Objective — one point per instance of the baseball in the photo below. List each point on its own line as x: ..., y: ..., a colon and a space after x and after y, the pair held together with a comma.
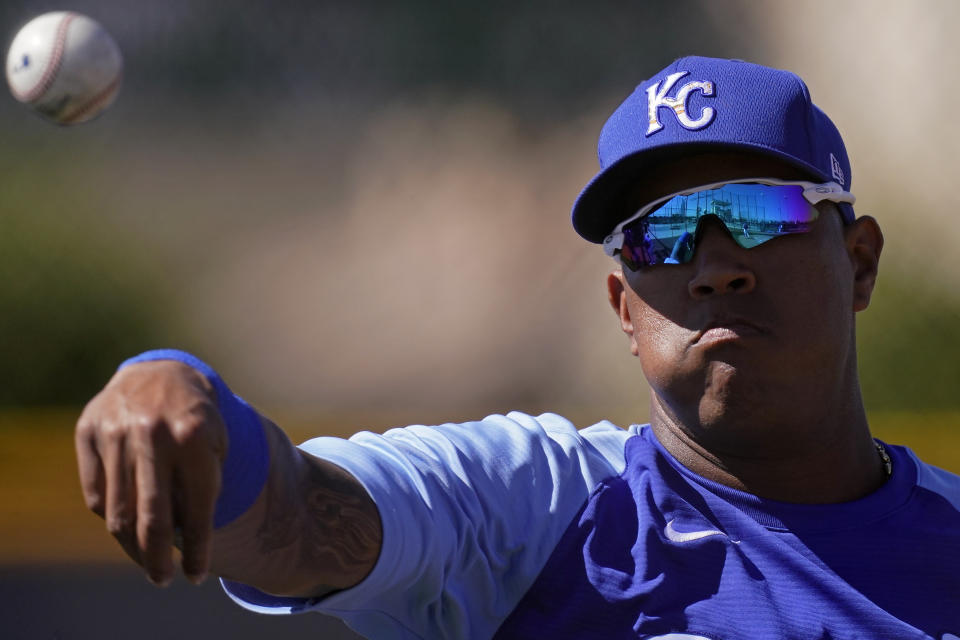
x: 65, y: 66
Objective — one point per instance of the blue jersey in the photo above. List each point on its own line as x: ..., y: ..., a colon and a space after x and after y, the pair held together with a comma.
x: 524, y: 527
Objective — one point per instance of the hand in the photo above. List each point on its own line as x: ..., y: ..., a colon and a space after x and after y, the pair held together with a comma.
x: 150, y: 447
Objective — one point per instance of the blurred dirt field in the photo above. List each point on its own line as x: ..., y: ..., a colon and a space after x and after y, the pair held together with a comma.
x: 107, y: 602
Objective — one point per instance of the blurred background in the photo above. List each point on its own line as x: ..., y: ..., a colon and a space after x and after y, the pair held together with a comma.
x: 359, y: 214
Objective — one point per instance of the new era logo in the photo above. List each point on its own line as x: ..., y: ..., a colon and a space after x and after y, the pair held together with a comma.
x: 836, y: 170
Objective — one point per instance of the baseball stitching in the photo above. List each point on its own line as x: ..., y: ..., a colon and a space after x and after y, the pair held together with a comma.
x: 93, y: 103
x: 56, y: 59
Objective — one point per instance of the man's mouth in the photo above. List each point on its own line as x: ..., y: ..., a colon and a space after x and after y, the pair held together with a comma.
x: 726, y: 330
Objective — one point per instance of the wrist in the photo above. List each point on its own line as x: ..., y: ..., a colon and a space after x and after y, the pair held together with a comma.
x: 244, y: 471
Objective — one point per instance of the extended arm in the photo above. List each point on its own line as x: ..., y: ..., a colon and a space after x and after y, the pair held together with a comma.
x: 150, y: 450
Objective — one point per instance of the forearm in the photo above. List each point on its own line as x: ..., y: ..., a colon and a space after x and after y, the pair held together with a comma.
x: 167, y: 453
x: 312, y: 530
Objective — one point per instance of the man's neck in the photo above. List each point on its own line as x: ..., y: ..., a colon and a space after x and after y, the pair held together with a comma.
x: 822, y: 463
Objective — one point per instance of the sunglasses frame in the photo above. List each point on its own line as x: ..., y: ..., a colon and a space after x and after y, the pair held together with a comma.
x: 813, y: 193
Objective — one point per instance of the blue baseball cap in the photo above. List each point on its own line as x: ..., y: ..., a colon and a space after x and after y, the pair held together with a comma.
x: 701, y: 103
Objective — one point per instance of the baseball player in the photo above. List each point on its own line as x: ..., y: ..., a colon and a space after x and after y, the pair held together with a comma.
x: 755, y: 504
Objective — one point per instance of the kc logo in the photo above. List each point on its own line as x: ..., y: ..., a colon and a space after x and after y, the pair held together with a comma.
x: 657, y: 97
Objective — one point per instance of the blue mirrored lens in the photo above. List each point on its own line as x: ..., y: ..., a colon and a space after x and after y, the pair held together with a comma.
x: 752, y: 213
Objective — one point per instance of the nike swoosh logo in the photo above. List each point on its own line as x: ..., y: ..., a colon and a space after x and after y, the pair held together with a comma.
x: 689, y: 536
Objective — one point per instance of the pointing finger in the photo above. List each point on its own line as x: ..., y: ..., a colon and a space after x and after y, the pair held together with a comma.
x: 154, y: 527
x: 120, y: 514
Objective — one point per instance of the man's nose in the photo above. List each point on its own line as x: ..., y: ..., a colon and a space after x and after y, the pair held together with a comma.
x: 719, y: 263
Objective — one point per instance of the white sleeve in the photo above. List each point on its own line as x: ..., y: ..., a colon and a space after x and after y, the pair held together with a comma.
x: 470, y: 512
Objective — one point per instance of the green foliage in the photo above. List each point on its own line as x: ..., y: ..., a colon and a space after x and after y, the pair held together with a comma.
x: 75, y: 296
x: 909, y: 341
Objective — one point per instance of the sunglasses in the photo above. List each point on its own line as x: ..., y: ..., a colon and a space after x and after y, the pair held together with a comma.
x: 753, y: 211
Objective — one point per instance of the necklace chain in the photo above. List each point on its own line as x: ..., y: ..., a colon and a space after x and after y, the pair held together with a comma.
x: 884, y: 458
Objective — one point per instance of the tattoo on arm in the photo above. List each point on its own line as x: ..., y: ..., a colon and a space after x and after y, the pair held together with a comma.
x: 345, y: 529
x: 323, y: 511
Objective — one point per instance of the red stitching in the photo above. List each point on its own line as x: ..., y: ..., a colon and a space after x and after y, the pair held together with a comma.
x: 56, y: 59
x: 93, y: 103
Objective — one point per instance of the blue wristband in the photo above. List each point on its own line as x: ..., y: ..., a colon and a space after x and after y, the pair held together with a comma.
x: 245, y: 470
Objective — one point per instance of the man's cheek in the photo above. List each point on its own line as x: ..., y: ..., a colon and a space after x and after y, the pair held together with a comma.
x: 662, y: 357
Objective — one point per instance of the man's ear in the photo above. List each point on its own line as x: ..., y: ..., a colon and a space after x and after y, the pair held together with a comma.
x: 617, y: 295
x: 864, y: 243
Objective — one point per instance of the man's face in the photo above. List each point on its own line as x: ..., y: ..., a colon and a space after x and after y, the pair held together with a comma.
x: 738, y: 338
